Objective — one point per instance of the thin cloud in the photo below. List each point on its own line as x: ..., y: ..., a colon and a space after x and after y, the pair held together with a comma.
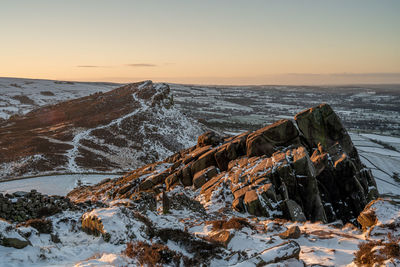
x: 347, y: 74
x: 88, y: 66
x: 369, y: 74
x: 141, y: 65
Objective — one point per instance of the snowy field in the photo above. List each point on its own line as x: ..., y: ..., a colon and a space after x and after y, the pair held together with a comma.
x: 19, y: 96
x: 383, y: 162
x: 234, y: 108
x: 321, y: 244
x: 54, y: 184
x: 373, y: 109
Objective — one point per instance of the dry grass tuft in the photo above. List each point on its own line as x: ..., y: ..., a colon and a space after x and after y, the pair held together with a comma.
x: 368, y: 255
x: 154, y: 255
x: 233, y: 223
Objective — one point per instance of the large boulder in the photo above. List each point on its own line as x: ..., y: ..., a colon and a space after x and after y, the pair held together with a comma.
x: 308, y: 186
x: 380, y: 217
x: 253, y: 204
x: 345, y: 188
x: 230, y: 151
x: 11, y: 237
x: 279, y: 253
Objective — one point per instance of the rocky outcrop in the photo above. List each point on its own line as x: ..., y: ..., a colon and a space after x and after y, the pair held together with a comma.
x: 304, y: 171
x: 321, y: 125
x: 201, y: 177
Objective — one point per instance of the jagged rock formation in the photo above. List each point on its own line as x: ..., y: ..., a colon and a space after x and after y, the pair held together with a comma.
x: 307, y: 170
x: 118, y: 130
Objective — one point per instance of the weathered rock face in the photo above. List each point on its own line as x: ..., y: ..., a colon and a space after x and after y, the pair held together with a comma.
x: 321, y: 125
x: 267, y: 140
x: 309, y: 172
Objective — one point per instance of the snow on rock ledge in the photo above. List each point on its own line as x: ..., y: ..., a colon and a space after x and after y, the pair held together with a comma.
x: 116, y: 225
x: 10, y: 237
x: 379, y: 218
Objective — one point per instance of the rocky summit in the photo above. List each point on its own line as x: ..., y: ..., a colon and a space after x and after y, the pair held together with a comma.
x: 301, y: 169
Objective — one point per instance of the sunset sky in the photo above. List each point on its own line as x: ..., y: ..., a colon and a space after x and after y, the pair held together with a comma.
x: 205, y: 42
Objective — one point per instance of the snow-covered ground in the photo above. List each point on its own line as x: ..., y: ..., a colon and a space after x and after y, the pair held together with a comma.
x: 42, y: 92
x: 374, y: 109
x: 151, y: 129
x: 53, y: 184
x: 383, y: 162
x: 321, y: 244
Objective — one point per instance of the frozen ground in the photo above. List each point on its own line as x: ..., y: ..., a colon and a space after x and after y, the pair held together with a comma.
x: 324, y: 245
x: 53, y: 184
x: 384, y: 162
x: 372, y: 109
x: 19, y: 96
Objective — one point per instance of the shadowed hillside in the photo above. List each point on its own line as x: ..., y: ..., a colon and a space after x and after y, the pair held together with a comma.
x: 123, y: 128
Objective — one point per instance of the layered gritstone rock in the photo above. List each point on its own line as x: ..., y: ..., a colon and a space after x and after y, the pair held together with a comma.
x: 305, y: 169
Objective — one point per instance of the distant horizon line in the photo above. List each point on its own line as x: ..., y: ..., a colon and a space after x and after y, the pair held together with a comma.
x: 160, y: 80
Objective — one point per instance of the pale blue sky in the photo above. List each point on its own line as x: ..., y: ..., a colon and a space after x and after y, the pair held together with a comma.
x: 201, y: 41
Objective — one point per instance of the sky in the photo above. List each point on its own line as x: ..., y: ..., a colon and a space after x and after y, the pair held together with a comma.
x: 202, y: 42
